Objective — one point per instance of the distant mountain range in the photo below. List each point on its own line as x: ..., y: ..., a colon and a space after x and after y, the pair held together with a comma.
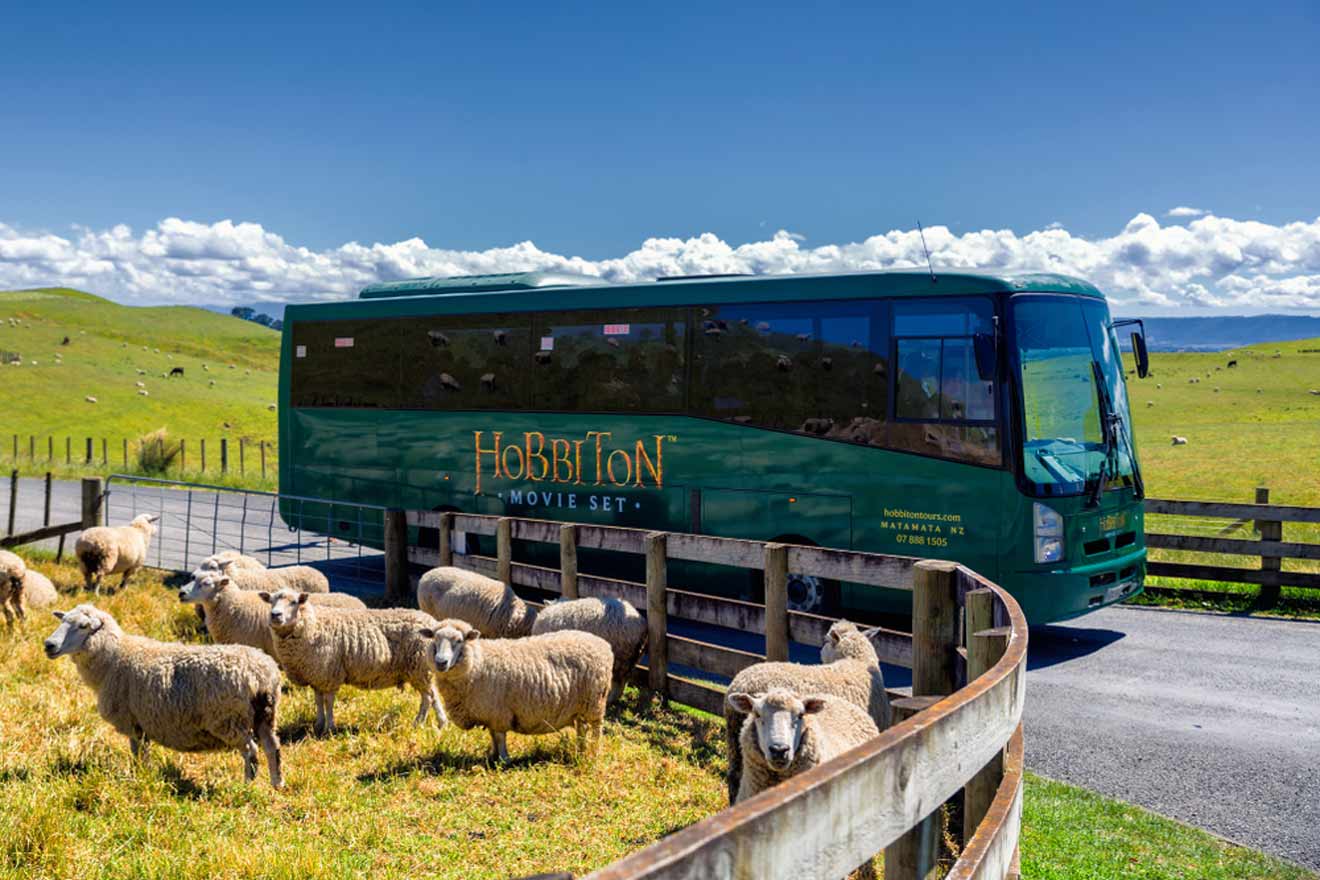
x: 1228, y: 331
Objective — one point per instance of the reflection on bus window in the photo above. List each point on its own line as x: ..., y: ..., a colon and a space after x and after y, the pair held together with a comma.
x: 345, y: 364
x: 457, y: 363
x: 618, y: 361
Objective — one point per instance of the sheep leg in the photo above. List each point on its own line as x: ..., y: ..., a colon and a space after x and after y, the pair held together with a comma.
x: 137, y: 745
x: 270, y: 744
x: 123, y: 582
x: 9, y: 615
x: 318, y: 727
x: 330, y: 712
x: 440, y: 718
x: 499, y: 747
x: 250, y: 760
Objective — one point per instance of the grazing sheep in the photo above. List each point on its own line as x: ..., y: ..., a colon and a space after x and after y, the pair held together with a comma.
x: 1179, y: 441
x: 487, y: 381
x: 614, y: 620
x: 485, y: 603
x: 1158, y: 386
x: 536, y: 685
x: 105, y: 550
x: 190, y: 698
x: 90, y: 399
x: 144, y: 392
x: 849, y: 669
x: 142, y: 372
x: 784, y: 363
x: 1232, y: 364
x: 141, y: 384
x: 270, y: 406
x: 22, y: 588
x: 542, y: 357
x: 299, y: 578
x: 238, y: 617
x: 1150, y: 403
x: 785, y: 735
x: 1316, y: 391
x: 501, y: 337
x: 177, y: 371
x: 240, y: 562
x: 1216, y: 390
x: 329, y: 648
x: 438, y: 339
x: 449, y: 383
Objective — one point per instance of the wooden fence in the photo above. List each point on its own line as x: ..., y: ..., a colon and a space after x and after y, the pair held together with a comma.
x: 960, y: 730
x: 100, y: 452
x: 92, y: 496
x: 1267, y: 519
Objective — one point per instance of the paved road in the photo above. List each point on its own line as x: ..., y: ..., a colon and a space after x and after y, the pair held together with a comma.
x: 1212, y: 720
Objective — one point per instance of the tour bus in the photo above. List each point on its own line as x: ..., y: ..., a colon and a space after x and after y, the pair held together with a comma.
x: 960, y: 416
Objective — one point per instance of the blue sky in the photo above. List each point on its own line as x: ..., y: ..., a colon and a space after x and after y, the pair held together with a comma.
x: 589, y: 129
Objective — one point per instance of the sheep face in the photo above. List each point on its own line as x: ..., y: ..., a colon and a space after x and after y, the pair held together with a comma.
x: 146, y: 522
x: 204, y: 587
x: 76, y: 627
x: 285, y: 608
x: 448, y: 644
x: 780, y: 722
x: 829, y: 651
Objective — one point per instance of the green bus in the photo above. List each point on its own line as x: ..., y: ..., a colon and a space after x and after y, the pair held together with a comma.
x: 971, y: 417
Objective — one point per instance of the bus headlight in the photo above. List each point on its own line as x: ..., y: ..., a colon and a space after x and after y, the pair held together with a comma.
x: 1048, y: 528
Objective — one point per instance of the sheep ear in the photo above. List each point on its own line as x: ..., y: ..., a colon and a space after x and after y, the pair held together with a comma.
x: 471, y: 635
x: 834, y: 634
x: 265, y: 597
x: 302, y: 598
x: 871, y: 633
x: 59, y: 615
x: 222, y: 581
x: 225, y: 563
x: 153, y: 518
x: 426, y: 632
x: 812, y: 705
x: 740, y: 702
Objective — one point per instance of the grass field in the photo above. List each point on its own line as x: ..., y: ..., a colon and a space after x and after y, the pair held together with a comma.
x: 384, y: 799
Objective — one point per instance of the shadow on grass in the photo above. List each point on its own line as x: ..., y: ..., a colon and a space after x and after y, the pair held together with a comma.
x: 443, y: 760
x: 181, y: 786
x: 690, y: 738
x: 304, y: 729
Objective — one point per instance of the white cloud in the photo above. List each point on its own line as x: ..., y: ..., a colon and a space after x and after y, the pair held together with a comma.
x: 1209, y: 262
x: 1184, y: 211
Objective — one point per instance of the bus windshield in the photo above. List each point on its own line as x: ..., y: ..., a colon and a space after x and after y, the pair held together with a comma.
x: 1076, y: 426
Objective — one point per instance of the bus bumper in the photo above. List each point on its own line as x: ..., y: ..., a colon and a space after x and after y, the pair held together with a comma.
x: 1062, y: 594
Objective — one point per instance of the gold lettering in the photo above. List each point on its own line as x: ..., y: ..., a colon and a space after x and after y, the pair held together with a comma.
x: 658, y: 468
x: 494, y: 452
x: 522, y: 462
x: 577, y: 455
x: 609, y: 466
x: 555, y: 448
x: 600, y: 439
x: 538, y: 454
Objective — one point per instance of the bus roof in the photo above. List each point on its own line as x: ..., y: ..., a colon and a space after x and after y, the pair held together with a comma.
x: 534, y: 291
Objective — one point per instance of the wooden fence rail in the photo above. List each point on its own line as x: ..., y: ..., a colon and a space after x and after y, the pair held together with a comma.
x: 93, y: 496
x: 960, y: 733
x: 1268, y: 520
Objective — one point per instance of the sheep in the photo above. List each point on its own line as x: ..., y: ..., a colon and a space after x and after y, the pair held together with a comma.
x: 270, y: 407
x: 542, y: 357
x: 784, y: 363
x: 438, y: 339
x: 144, y: 392
x: 449, y: 383
x: 785, y: 734
x: 535, y: 685
x: 373, y: 649
x: 501, y: 337
x: 614, y: 620
x: 299, y: 578
x: 485, y: 603
x: 487, y: 381
x: 32, y: 590
x: 1179, y: 441
x: 850, y: 669
x: 1316, y: 391
x: 142, y: 372
x: 90, y: 399
x: 239, y: 617
x: 1158, y: 386
x: 190, y: 698
x: 1232, y: 364
x: 240, y: 562
x: 1150, y: 403
x: 13, y: 571
x: 177, y: 371
x: 104, y: 550
x: 140, y: 384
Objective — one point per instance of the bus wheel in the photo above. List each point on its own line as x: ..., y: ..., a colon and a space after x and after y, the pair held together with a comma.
x: 812, y: 594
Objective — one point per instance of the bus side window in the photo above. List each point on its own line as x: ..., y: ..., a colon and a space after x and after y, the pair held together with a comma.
x: 941, y: 406
x: 453, y: 362
x: 345, y: 365
x: 622, y: 360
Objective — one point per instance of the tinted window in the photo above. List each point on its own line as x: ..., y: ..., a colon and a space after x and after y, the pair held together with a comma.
x: 459, y: 362
x: 627, y: 360
x: 345, y: 364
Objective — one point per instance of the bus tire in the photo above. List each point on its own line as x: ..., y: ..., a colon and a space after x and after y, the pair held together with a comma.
x: 806, y: 593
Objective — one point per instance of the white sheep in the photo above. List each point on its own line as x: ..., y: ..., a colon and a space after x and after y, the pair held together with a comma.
x: 785, y: 735
x: 144, y: 392
x: 534, y: 685
x: 90, y: 399
x: 849, y: 669
x: 105, y: 550
x: 614, y: 620
x: 12, y: 566
x: 299, y: 578
x: 238, y: 617
x: 485, y: 603
x: 326, y: 649
x: 33, y: 590
x: 190, y: 698
x: 1179, y: 441
x: 240, y: 561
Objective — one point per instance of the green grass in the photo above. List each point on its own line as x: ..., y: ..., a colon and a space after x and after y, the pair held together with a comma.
x: 384, y: 799
x: 108, y: 343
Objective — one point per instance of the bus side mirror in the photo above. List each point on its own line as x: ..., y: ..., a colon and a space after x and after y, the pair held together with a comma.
x: 1140, y: 353
x: 986, y: 356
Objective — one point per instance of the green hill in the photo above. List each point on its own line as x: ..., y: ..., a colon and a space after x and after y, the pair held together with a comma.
x: 108, y: 345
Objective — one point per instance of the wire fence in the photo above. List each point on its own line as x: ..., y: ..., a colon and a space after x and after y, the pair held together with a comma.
x: 341, y: 539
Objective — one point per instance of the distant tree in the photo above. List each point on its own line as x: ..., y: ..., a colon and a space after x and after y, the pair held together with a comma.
x: 277, y: 325
x: 262, y: 319
x: 242, y: 312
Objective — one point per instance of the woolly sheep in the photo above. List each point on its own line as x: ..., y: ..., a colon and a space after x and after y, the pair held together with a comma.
x: 1179, y: 441
x: 485, y: 603
x: 849, y: 669
x: 329, y: 648
x: 614, y: 620
x: 105, y: 550
x: 238, y: 617
x: 90, y: 399
x: 33, y: 590
x: 785, y: 734
x: 240, y: 562
x: 12, y: 566
x: 299, y: 578
x: 144, y: 392
x: 534, y: 685
x: 190, y: 698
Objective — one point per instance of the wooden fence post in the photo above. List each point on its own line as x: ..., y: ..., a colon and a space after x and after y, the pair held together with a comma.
x: 183, y: 455
x: 397, y: 592
x: 45, y: 514
x: 32, y: 447
x: 68, y: 450
x: 203, y: 442
x: 446, y: 539
x: 92, y: 501
x: 657, y: 613
x: 50, y: 448
x: 105, y: 452
x: 568, y: 570
x: 1271, y: 532
x: 224, y: 455
x: 15, y: 447
x: 125, y: 453
x: 91, y: 455
x: 241, y: 445
x: 13, y: 498
x: 915, y: 855
x: 263, y: 459
x: 776, y: 602
x: 985, y: 646
x: 504, y: 550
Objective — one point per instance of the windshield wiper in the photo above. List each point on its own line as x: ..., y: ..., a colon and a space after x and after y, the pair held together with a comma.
x: 1106, y: 428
